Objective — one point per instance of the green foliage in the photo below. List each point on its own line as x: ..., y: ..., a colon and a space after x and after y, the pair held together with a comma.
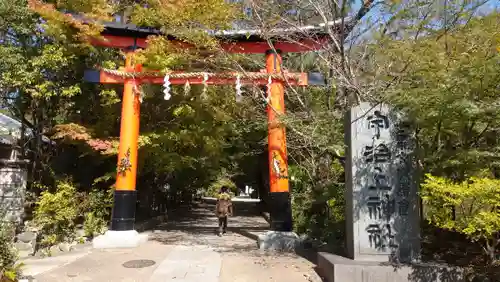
x: 214, y: 188
x: 224, y: 196
x: 477, y: 202
x: 8, y: 255
x: 56, y: 213
x: 448, y: 85
x: 185, y: 145
x: 97, y: 211
x: 446, y: 81
x: 318, y: 210
x: 94, y: 225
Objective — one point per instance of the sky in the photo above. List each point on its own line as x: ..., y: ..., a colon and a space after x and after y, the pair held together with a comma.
x: 376, y: 14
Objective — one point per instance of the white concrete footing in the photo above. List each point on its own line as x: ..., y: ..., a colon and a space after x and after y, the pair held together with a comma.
x: 119, y: 239
x: 278, y: 241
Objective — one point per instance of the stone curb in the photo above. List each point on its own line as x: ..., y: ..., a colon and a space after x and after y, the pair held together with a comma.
x: 38, y: 265
x: 139, y: 227
x: 266, y: 216
x: 304, y: 243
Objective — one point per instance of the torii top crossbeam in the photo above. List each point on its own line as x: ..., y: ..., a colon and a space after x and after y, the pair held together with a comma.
x: 306, y: 38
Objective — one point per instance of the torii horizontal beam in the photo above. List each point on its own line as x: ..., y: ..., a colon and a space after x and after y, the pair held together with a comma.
x: 180, y: 78
x: 303, y: 45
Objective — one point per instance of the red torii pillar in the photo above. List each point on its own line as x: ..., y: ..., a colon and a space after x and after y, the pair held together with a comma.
x: 125, y: 196
x: 122, y: 233
x: 279, y: 191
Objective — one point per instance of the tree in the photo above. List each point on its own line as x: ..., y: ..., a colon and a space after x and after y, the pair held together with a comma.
x: 450, y: 92
x: 40, y: 78
x: 184, y: 142
x: 449, y: 89
x: 185, y: 136
x: 420, y: 56
x: 477, y: 203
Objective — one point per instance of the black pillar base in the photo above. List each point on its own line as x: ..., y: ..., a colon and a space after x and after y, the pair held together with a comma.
x: 280, y: 209
x: 123, y: 217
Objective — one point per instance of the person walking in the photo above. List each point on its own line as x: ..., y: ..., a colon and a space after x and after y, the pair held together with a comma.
x: 223, y: 209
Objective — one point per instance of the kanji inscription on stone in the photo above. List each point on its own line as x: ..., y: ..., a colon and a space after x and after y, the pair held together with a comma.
x: 377, y: 122
x: 378, y: 154
x: 381, y: 194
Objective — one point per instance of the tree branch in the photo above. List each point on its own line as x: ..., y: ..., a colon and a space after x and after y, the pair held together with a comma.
x: 365, y: 8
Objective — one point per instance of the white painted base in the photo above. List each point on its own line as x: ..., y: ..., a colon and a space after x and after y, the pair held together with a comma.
x: 119, y: 239
x: 278, y: 241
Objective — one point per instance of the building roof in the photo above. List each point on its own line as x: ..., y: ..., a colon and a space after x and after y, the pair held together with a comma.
x: 10, y: 130
x: 246, y: 35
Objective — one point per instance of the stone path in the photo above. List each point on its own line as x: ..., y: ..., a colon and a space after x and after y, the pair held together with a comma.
x: 187, y: 249
x: 194, y: 263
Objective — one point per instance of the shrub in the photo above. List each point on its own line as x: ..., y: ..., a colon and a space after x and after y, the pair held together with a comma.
x: 477, y: 205
x: 97, y: 211
x: 8, y: 255
x: 55, y: 213
x: 94, y: 225
x: 213, y: 189
x: 318, y: 208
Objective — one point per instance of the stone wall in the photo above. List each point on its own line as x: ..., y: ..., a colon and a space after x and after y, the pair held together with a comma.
x: 13, y: 181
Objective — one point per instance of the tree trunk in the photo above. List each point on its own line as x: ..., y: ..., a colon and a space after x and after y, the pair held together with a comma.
x: 491, y: 249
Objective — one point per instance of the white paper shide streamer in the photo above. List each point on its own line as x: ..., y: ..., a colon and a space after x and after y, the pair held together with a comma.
x: 239, y: 92
x: 139, y: 93
x: 166, y: 84
x: 269, y: 82
x: 205, y: 86
x: 187, y: 88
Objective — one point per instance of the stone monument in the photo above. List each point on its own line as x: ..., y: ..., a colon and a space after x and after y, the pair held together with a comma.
x: 382, y: 205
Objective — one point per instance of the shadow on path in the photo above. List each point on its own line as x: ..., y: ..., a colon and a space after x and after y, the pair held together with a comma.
x: 198, y: 226
x: 186, y: 248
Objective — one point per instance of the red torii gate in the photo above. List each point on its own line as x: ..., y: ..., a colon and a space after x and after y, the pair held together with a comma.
x: 130, y: 37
